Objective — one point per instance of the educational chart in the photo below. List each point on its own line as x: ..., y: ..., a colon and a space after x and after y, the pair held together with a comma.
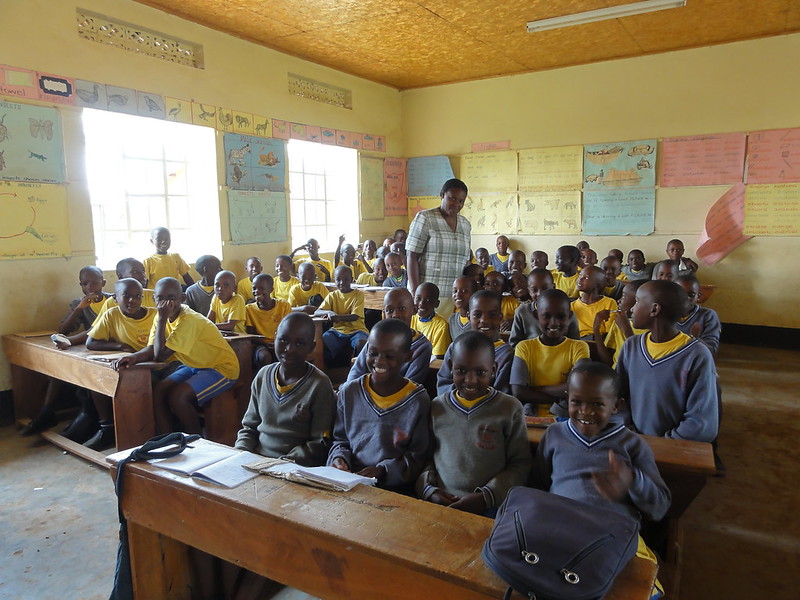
x: 370, y: 184
x: 772, y: 209
x: 549, y: 213
x: 254, y: 163
x: 257, y: 217
x: 723, y: 227
x: 31, y: 146
x: 394, y: 185
x: 551, y: 169
x: 773, y: 156
x: 619, y: 212
x: 35, y: 221
x: 427, y: 174
x: 702, y: 160
x: 491, y: 213
x: 420, y: 203
x: 490, y: 172
x: 619, y: 165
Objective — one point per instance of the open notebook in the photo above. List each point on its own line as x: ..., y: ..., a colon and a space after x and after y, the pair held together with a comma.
x: 328, y: 478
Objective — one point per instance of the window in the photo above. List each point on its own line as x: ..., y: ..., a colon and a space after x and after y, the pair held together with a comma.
x: 146, y: 173
x: 323, y: 183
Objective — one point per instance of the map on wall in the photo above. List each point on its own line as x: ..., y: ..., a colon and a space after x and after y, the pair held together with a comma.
x: 31, y: 146
x: 257, y: 217
x: 254, y: 163
x: 619, y: 165
x: 35, y: 221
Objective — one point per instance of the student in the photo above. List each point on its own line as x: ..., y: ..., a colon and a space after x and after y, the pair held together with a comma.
x: 588, y: 258
x: 396, y: 274
x: 518, y: 285
x: 263, y: 318
x: 368, y: 255
x: 130, y: 268
x: 322, y: 266
x: 686, y: 265
x: 500, y: 258
x: 427, y: 322
x: 668, y: 377
x: 565, y: 275
x: 227, y: 307
x: 582, y: 245
x: 382, y: 419
x: 474, y: 271
x: 285, y: 281
x: 307, y: 295
x: 496, y: 282
x: 700, y: 322
x: 122, y: 328
x: 377, y: 277
x: 666, y: 270
x: 399, y: 304
x: 209, y: 364
x: 399, y: 249
x: 591, y: 283
x: 617, y: 253
x: 400, y: 236
x: 525, y: 325
x: 485, y: 317
x: 346, y: 254
x: 484, y: 260
x: 614, y: 285
x: 463, y: 288
x: 83, y: 311
x: 516, y: 263
x: 162, y: 263
x: 620, y: 328
x: 637, y: 268
x: 539, y: 259
x: 245, y: 286
x: 481, y: 447
x: 539, y: 369
x: 200, y: 294
x: 292, y: 403
x: 344, y: 307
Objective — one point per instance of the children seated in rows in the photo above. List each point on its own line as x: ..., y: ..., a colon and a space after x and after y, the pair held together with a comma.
x: 292, y: 403
x: 480, y: 440
x: 344, y: 307
x: 200, y: 294
x: 396, y: 274
x: 500, y: 258
x: 700, y: 322
x: 322, y: 266
x: 565, y: 275
x: 458, y: 322
x: 244, y: 288
x: 686, y: 265
x: 483, y: 259
x: 619, y: 324
x: 263, y: 317
x: 164, y: 263
x: 382, y: 419
x: 539, y: 259
x: 284, y: 281
x: 637, y: 268
x: 378, y: 275
x: 665, y: 270
x: 591, y: 283
x: 227, y: 307
x: 307, y: 295
x: 427, y: 322
x: 525, y: 325
x: 345, y: 254
x: 496, y: 282
x: 540, y: 365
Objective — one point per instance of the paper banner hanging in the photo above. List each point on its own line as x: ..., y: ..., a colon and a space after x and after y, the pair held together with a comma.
x: 722, y: 232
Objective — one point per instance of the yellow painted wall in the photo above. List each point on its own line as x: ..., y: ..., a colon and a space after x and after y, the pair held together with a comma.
x: 744, y: 86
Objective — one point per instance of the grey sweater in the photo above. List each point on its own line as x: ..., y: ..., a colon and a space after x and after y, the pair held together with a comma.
x: 198, y: 299
x: 415, y: 369
x: 709, y: 321
x: 456, y: 328
x: 503, y: 357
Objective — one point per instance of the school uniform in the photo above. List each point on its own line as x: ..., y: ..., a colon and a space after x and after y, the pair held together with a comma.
x: 368, y: 279
x: 322, y: 262
x: 199, y: 296
x: 148, y: 301
x: 615, y: 338
x: 88, y: 315
x: 245, y: 289
x: 436, y: 330
x: 357, y: 268
x: 508, y: 306
x: 503, y: 356
x: 645, y: 273
x: 343, y: 334
x: 281, y: 289
x: 457, y: 325
x: 300, y: 297
x: 567, y: 284
x: 266, y: 322
x: 499, y: 261
x: 393, y: 282
x: 525, y: 325
x: 416, y: 369
x: 232, y: 310
x: 159, y: 266
x: 615, y: 291
x: 115, y: 325
x: 709, y: 321
x: 585, y: 314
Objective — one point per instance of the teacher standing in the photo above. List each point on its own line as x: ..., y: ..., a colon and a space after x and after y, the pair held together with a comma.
x: 438, y: 244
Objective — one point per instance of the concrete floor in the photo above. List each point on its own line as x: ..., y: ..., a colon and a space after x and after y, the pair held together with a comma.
x: 58, y: 521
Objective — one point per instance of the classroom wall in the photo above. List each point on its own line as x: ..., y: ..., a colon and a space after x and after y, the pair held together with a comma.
x: 734, y: 87
x: 41, y: 35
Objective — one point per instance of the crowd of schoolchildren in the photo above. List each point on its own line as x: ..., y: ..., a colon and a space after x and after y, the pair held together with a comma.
x: 601, y: 347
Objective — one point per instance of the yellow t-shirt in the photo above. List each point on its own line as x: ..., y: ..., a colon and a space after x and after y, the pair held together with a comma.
x: 266, y: 321
x: 232, y: 310
x: 585, y: 313
x: 488, y: 269
x: 351, y: 303
x: 281, y: 289
x: 282, y: 389
x: 317, y: 263
x: 550, y: 365
x: 115, y: 326
x: 368, y: 279
x: 299, y: 297
x: 658, y: 350
x: 357, y: 268
x: 463, y: 320
x: 436, y: 330
x: 615, y: 338
x: 148, y: 301
x: 159, y: 266
x: 245, y: 289
x: 622, y: 277
x: 508, y: 307
x: 384, y: 402
x: 566, y: 284
x: 197, y: 343
x: 468, y: 404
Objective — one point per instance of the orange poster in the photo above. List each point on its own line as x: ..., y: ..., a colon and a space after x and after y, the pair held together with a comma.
x: 394, y: 184
x: 723, y: 227
x: 773, y: 156
x: 702, y: 160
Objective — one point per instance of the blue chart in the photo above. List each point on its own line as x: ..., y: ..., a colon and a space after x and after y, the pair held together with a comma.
x: 31, y: 146
x: 254, y: 163
x: 257, y: 217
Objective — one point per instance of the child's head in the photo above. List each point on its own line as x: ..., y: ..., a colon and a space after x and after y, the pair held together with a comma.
x: 307, y: 275
x: 161, y: 239
x: 389, y: 349
x: 582, y: 245
x: 262, y: 289
x: 400, y: 236
x: 636, y: 259
x: 588, y: 258
x: 224, y: 285
x: 426, y: 299
x: 691, y: 285
x: 553, y: 311
x: 675, y: 250
x: 666, y: 270
x: 592, y: 280
x: 495, y: 282
x: 383, y: 251
x: 659, y: 301
x: 472, y: 364
x: 128, y: 293
x: 387, y: 242
x: 628, y: 298
x: 379, y: 271
x: 400, y: 249
x: 394, y: 264
x: 502, y: 245
x: 463, y: 288
x: 612, y: 267
x: 168, y: 290
x: 518, y: 284
x: 539, y: 280
x: 294, y: 339
x: 482, y: 257
x: 593, y: 396
x: 617, y: 253
x: 517, y: 262
x: 567, y: 258
x: 348, y: 254
x: 370, y: 248
x: 343, y: 278
x: 283, y: 266
x: 485, y: 313
x: 475, y: 272
x: 130, y: 267
x: 398, y: 304
x: 208, y: 266
x: 312, y: 246
x: 92, y: 281
x: 539, y: 259
x: 253, y: 267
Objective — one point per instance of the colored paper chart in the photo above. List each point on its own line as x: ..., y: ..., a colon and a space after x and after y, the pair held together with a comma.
x: 723, y: 227
x: 551, y: 169
x: 549, y: 213
x: 420, y: 203
x: 490, y: 172
x: 702, y: 160
x: 254, y: 163
x: 427, y: 174
x: 773, y: 156
x: 257, y: 217
x: 619, y: 165
x: 619, y: 212
x: 772, y: 209
x: 491, y: 213
x: 370, y: 185
x: 34, y: 223
x: 31, y: 145
x: 394, y: 185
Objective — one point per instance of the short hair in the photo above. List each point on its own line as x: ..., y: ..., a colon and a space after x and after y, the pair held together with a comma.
x: 125, y: 281
x: 202, y: 262
x: 171, y: 281
x: 689, y: 278
x: 524, y: 257
x: 398, y: 291
x: 382, y: 251
x: 571, y: 251
x: 451, y: 184
x: 394, y: 327
x: 671, y: 297
x: 155, y: 230
x: 481, y: 248
x: 263, y: 277
x: 499, y: 274
x: 296, y: 320
x: 303, y: 266
x: 676, y: 241
x: 285, y: 257
x: 95, y: 270
x: 385, y: 258
x: 597, y: 369
x: 636, y: 250
x: 540, y: 271
x: 125, y: 262
x: 472, y: 341
x: 555, y: 294
x: 428, y: 285
x: 401, y: 230
x: 252, y: 258
x: 637, y: 283
x: 341, y: 269
x: 472, y: 283
x: 671, y: 263
x: 225, y: 273
x: 465, y: 272
x: 481, y: 294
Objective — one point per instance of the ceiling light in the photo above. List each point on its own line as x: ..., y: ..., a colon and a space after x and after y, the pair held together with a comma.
x: 601, y: 14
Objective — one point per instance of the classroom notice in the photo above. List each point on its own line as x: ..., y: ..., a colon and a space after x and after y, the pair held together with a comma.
x: 722, y: 231
x: 551, y: 169
x: 427, y: 174
x: 772, y: 210
x: 371, y: 187
x: 394, y: 185
x: 619, y: 165
x: 490, y: 172
x: 554, y: 213
x: 702, y: 160
x: 619, y: 212
x: 254, y: 163
x: 491, y: 213
x: 420, y: 203
x: 31, y: 145
x: 35, y: 221
x: 257, y: 217
x: 773, y: 156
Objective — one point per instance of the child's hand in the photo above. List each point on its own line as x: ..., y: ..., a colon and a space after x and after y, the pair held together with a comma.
x: 697, y: 330
x: 310, y: 309
x: 376, y: 472
x: 62, y: 345
x: 473, y: 503
x: 443, y: 498
x: 341, y: 239
x: 123, y: 363
x: 165, y: 308
x: 601, y: 316
x: 325, y: 271
x: 340, y: 464
x: 88, y: 299
x: 613, y: 485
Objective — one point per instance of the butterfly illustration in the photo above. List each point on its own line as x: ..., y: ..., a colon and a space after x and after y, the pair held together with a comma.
x: 41, y: 128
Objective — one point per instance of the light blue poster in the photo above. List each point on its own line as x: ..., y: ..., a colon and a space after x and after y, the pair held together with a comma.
x: 619, y: 165
x: 257, y: 217
x: 619, y: 212
x: 426, y: 174
x: 31, y: 145
x: 254, y: 163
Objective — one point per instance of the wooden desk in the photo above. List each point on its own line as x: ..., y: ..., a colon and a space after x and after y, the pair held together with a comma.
x: 367, y: 543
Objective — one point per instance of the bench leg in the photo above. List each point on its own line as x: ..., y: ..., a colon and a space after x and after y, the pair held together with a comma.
x: 159, y: 565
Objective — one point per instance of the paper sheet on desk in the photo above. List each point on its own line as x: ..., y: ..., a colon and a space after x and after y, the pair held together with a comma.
x: 328, y: 478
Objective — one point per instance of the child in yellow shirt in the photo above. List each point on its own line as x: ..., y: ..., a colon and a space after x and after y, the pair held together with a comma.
x: 322, y: 266
x: 427, y: 322
x: 620, y: 326
x: 307, y: 295
x: 565, y: 275
x: 227, y: 307
x: 346, y: 255
x: 245, y: 287
x: 345, y: 309
x: 263, y: 317
x: 483, y: 259
x: 285, y: 281
x: 163, y: 263
x: 591, y: 283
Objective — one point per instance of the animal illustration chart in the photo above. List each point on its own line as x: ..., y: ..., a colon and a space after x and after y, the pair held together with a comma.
x: 556, y: 213
x: 31, y: 146
x: 491, y: 213
x: 257, y: 217
x: 254, y: 163
x: 34, y: 223
x: 619, y: 165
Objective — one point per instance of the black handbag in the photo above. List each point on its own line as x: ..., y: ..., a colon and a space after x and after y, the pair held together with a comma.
x: 548, y: 547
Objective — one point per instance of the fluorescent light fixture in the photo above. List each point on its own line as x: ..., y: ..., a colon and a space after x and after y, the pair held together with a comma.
x: 601, y: 14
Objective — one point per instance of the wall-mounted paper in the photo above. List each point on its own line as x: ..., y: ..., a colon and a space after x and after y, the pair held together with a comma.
x: 32, y: 148
x: 224, y: 119
x: 243, y: 123
x: 619, y: 165
x: 394, y: 185
x: 254, y: 163
x: 371, y: 187
x: 489, y: 146
x: 490, y: 172
x: 418, y: 203
x: 702, y: 160
x: 619, y: 212
x: 120, y: 99
x: 57, y: 89
x: 555, y: 213
x: 35, y: 221
x: 773, y: 156
x: 90, y: 94
x: 150, y: 105
x: 551, y: 169
x: 772, y: 209
x: 257, y: 217
x: 491, y: 213
x: 202, y: 114
x: 19, y: 83
x: 280, y: 129
x: 723, y: 227
x: 178, y: 110
x: 427, y: 174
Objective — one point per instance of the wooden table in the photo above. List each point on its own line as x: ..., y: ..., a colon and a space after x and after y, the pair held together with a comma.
x: 367, y: 543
